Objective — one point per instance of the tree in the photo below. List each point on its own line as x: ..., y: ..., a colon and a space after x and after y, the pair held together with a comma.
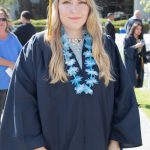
x: 24, y: 5
x: 146, y: 4
x: 6, y: 2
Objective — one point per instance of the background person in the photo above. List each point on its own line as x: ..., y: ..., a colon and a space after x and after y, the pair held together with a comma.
x: 109, y: 27
x: 9, y: 51
x: 133, y: 51
x: 137, y: 17
x: 25, y: 31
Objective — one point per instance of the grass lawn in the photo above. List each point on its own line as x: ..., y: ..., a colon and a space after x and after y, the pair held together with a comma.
x: 143, y: 98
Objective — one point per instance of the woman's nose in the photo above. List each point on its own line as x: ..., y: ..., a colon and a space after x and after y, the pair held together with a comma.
x: 75, y: 8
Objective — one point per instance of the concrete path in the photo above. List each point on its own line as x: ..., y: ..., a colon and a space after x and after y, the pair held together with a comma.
x: 145, y: 127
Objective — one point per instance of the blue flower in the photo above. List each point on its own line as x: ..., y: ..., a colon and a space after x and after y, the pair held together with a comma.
x: 66, y: 45
x: 87, y: 54
x: 76, y: 80
x: 90, y: 62
x: 72, y: 71
x: 67, y: 54
x: 80, y: 88
x: 91, y: 72
x: 91, y: 81
x: 64, y: 39
x: 70, y: 62
x: 88, y: 39
x: 88, y: 46
x: 88, y: 90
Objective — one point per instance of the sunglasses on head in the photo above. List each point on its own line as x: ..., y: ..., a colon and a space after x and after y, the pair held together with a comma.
x: 3, y: 19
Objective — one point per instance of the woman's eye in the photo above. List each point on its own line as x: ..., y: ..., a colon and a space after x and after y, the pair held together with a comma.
x: 82, y: 2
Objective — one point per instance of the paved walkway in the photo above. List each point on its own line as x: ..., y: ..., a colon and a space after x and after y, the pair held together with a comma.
x: 145, y: 127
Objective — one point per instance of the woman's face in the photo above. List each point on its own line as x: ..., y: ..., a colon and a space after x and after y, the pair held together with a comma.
x: 138, y: 30
x: 3, y: 21
x: 73, y: 13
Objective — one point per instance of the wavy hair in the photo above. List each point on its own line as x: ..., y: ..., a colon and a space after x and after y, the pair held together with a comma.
x: 133, y: 28
x: 94, y: 28
x: 6, y: 14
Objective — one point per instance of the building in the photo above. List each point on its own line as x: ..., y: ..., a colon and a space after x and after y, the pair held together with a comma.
x: 122, y: 8
x: 38, y: 8
x: 141, y: 8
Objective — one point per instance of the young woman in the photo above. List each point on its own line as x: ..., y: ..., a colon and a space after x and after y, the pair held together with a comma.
x: 134, y: 50
x: 66, y: 94
x: 9, y: 51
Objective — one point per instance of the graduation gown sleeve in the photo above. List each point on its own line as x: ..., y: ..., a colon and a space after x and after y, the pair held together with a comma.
x: 125, y: 126
x: 129, y: 48
x: 110, y: 30
x: 21, y: 127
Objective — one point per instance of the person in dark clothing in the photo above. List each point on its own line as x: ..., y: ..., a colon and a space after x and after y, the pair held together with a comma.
x: 109, y: 27
x: 133, y: 50
x: 135, y: 18
x: 70, y: 89
x: 25, y: 31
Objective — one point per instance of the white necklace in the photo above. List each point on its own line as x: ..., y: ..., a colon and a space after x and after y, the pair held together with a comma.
x: 76, y: 43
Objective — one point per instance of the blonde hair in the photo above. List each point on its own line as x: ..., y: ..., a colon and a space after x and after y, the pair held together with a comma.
x: 6, y: 14
x: 56, y: 65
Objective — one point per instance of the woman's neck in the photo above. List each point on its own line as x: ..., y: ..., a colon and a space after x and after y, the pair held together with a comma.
x: 74, y: 34
x: 136, y: 36
x: 3, y: 34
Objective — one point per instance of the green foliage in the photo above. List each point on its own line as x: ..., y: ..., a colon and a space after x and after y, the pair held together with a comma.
x: 41, y: 24
x: 6, y: 2
x: 146, y: 4
x: 143, y: 98
x: 146, y: 27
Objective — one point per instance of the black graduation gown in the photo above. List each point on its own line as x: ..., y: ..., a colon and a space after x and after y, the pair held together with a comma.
x: 24, y: 32
x: 53, y: 115
x: 134, y: 61
x: 110, y: 29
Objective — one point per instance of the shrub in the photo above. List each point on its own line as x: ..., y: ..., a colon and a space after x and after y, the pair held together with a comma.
x: 146, y: 28
x: 41, y: 24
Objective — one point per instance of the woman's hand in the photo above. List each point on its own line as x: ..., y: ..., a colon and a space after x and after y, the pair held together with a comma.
x: 139, y: 45
x: 113, y: 145
x: 11, y: 65
x: 41, y: 148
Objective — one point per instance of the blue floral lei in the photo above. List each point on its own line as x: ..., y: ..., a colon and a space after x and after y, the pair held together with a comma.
x: 73, y: 70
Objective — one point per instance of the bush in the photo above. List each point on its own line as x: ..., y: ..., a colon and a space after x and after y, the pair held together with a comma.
x: 41, y: 24
x: 38, y: 24
x: 39, y: 28
x: 146, y: 28
x: 120, y: 23
x: 16, y: 22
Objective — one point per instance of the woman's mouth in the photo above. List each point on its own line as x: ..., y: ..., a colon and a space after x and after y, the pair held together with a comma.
x: 74, y: 18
